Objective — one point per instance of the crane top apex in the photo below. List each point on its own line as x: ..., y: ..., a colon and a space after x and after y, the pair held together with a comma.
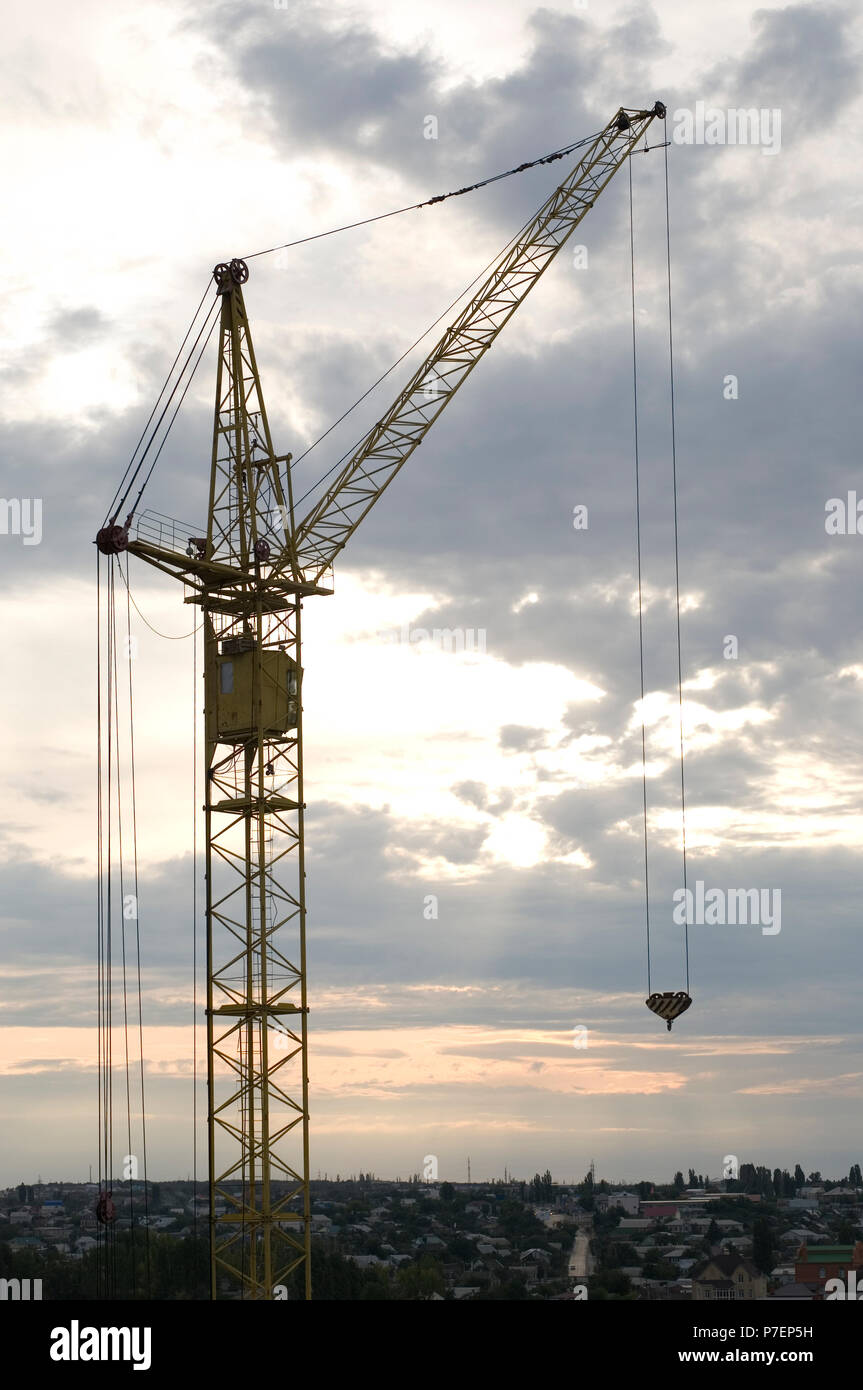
x: 228, y: 274
x: 623, y: 120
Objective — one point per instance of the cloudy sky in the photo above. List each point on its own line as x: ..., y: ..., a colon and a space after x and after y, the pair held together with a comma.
x: 143, y: 144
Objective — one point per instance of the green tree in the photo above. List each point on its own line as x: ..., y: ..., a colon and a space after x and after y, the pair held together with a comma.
x: 762, y: 1245
x: 614, y: 1281
x: 421, y: 1280
x: 519, y: 1225
x: 585, y: 1191
x: 513, y: 1291
x: 542, y: 1187
x: 335, y: 1278
x: 461, y: 1249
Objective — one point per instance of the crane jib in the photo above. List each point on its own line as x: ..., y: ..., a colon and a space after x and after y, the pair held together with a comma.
x: 323, y: 532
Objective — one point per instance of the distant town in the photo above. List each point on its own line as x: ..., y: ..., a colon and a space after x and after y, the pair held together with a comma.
x: 768, y: 1234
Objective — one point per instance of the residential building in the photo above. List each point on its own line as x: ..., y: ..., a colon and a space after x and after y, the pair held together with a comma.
x: 793, y: 1292
x: 827, y: 1262
x: 629, y: 1201
x: 660, y: 1211
x: 727, y: 1276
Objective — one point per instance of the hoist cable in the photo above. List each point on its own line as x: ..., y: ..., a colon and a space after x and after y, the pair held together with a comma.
x: 118, y: 504
x: 109, y: 992
x: 116, y: 822
x: 106, y: 1253
x: 137, y: 924
x: 438, y: 198
x: 119, y: 500
x: 638, y: 553
x: 494, y: 260
x: 195, y: 942
x: 113, y: 676
x: 444, y: 312
x: 676, y: 565
x: 215, y: 316
x: 167, y: 636
x: 100, y: 914
x: 106, y: 1157
x: 115, y: 508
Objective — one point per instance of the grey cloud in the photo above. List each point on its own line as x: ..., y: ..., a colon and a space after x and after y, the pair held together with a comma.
x: 802, y: 59
x: 483, y: 515
x: 79, y: 327
x: 522, y: 739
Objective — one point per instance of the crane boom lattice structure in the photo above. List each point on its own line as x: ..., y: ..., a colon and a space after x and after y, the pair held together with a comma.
x: 249, y: 574
x: 392, y: 440
x: 257, y: 1002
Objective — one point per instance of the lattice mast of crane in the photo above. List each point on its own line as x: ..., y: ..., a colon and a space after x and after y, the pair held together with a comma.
x: 255, y: 880
x: 249, y: 575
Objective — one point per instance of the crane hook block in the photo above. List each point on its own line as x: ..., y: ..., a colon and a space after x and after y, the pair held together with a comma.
x: 669, y: 1005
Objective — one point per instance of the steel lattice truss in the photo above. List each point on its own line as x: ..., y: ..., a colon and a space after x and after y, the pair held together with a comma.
x: 249, y: 574
x: 389, y: 444
x: 247, y: 501
x: 257, y: 989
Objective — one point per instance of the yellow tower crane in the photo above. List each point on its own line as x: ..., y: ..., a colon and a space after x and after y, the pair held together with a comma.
x: 249, y: 575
